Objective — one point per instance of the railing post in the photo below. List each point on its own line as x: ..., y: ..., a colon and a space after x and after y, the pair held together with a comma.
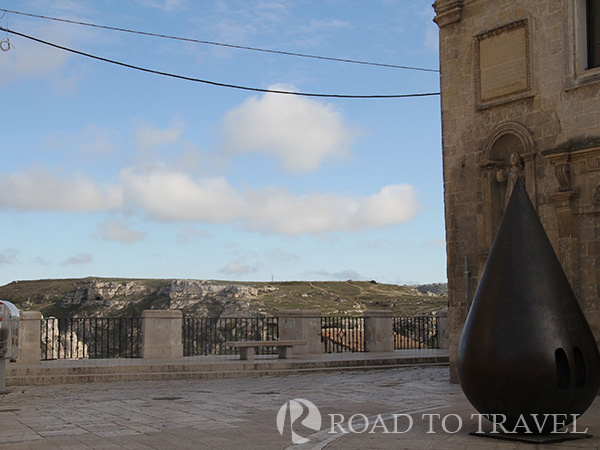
x: 30, y: 337
x: 443, y: 327
x: 379, y: 333
x: 162, y: 334
x: 301, y: 324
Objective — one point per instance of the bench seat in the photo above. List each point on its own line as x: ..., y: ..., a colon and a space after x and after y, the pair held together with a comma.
x: 284, y: 348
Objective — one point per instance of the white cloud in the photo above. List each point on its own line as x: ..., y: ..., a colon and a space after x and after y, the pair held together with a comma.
x: 92, y: 140
x: 165, y: 5
x: 8, y: 257
x: 148, y: 136
x: 435, y: 243
x: 348, y: 274
x: 82, y: 258
x: 393, y: 204
x: 282, y: 257
x: 378, y: 243
x: 431, y: 41
x: 428, y: 27
x: 39, y: 189
x: 118, y: 230
x: 301, y: 132
x: 41, y: 261
x: 177, y: 197
x: 29, y: 59
x: 317, y: 32
x: 64, y: 6
x: 239, y: 23
x: 97, y: 140
x: 188, y: 233
x: 236, y: 268
x: 32, y: 60
x: 172, y: 196
x: 278, y: 211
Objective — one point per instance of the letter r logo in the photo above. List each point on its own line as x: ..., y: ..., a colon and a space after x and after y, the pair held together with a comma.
x: 296, y: 409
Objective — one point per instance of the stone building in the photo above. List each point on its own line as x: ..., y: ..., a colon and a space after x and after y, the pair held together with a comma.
x: 520, y: 84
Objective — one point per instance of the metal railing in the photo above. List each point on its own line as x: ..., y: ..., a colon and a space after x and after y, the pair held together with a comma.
x: 79, y: 338
x: 343, y: 334
x: 207, y: 335
x: 415, y: 332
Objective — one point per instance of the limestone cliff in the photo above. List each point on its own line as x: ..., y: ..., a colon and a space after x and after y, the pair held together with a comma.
x: 103, y: 297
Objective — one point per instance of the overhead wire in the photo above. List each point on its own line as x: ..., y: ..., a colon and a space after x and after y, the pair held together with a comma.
x: 242, y: 47
x: 5, y: 44
x: 213, y: 83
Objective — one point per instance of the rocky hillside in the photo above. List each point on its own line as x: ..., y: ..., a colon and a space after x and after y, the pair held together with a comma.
x: 94, y: 297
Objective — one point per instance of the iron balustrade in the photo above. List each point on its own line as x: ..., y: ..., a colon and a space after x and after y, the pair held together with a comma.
x: 343, y: 334
x: 80, y: 338
x: 207, y: 335
x: 415, y: 332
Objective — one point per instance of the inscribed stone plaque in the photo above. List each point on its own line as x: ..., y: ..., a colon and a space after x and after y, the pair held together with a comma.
x: 502, y: 63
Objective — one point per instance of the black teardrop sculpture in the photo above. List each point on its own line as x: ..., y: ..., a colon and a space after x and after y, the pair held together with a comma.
x: 526, y: 347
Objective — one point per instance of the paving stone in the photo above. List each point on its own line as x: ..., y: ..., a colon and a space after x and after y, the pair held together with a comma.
x: 241, y: 413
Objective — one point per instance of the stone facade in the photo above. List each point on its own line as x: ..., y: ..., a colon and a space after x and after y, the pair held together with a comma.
x: 518, y: 99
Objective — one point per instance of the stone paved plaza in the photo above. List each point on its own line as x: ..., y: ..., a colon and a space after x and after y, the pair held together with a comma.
x: 241, y: 413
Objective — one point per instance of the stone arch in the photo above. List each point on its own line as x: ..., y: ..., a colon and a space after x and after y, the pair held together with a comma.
x: 507, y: 152
x: 515, y: 130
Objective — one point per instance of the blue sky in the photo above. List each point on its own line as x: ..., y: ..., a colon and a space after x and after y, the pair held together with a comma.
x: 111, y: 172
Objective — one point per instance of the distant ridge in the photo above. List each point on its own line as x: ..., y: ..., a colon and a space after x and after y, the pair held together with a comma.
x: 94, y: 297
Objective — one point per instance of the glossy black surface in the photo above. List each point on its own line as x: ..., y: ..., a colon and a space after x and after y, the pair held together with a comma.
x: 526, y: 347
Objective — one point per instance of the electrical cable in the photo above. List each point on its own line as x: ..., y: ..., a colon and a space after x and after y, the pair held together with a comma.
x: 144, y: 33
x: 5, y: 43
x: 213, y: 83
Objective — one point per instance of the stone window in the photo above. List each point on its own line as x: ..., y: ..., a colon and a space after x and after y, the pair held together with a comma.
x: 593, y: 33
x: 582, y: 33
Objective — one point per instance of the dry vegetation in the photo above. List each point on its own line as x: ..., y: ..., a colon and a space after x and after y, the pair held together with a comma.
x: 331, y: 298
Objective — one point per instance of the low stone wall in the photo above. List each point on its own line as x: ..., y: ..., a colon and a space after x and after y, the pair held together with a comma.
x: 162, y: 333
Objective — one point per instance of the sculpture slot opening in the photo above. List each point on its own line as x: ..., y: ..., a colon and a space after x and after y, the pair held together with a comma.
x: 579, y: 368
x: 563, y: 375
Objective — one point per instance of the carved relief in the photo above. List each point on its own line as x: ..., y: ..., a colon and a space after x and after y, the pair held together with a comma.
x: 510, y: 174
x: 563, y: 175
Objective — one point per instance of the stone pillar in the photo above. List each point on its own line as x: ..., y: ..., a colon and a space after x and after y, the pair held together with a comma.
x: 492, y: 206
x: 568, y: 245
x: 530, y: 178
x: 443, y: 328
x: 162, y: 334
x: 379, y: 333
x: 301, y: 324
x: 30, y: 337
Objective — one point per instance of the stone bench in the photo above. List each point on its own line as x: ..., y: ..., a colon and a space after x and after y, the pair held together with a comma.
x: 284, y: 348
